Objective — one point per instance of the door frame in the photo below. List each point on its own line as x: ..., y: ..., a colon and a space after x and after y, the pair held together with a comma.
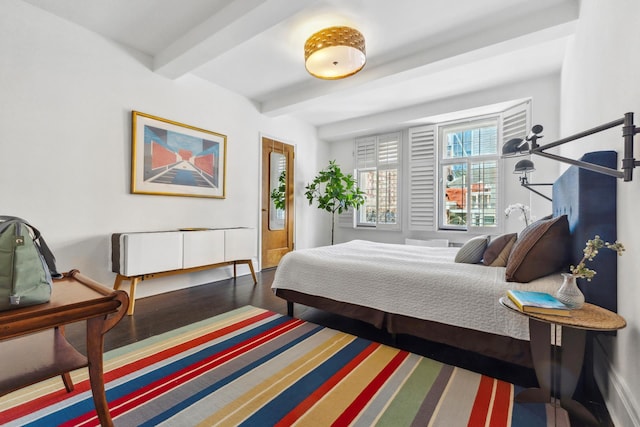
x: 290, y: 182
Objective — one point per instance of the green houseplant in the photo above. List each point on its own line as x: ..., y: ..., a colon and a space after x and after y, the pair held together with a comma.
x: 334, y: 192
x: 278, y: 194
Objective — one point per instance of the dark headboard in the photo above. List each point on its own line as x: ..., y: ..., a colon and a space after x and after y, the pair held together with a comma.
x: 589, y: 201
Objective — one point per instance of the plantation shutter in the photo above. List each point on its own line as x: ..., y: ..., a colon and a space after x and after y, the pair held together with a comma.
x: 365, y: 152
x: 422, y: 178
x: 388, y: 172
x: 365, y: 157
x: 388, y: 146
x: 516, y: 122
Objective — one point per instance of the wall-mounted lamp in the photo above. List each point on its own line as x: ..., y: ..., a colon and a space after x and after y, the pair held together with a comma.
x: 519, y: 146
x: 523, y: 167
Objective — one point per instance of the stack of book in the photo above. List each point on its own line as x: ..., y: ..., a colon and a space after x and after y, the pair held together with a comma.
x: 538, y: 302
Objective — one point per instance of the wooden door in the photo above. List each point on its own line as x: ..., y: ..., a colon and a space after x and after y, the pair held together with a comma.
x: 277, y: 208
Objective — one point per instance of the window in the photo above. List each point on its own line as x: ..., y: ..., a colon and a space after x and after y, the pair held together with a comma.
x: 454, y: 171
x: 378, y: 175
x: 469, y: 167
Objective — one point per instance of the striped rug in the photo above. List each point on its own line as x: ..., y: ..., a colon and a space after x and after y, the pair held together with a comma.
x: 258, y: 368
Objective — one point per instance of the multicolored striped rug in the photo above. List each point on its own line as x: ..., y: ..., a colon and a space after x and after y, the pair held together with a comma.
x: 258, y: 368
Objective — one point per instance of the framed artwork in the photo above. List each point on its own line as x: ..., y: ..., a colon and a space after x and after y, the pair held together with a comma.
x: 173, y: 159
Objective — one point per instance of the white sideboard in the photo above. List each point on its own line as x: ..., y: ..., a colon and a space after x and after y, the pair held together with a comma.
x: 147, y: 255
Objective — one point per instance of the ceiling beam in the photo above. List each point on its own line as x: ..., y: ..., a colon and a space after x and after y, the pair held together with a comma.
x: 505, y: 34
x: 418, y: 115
x: 234, y: 24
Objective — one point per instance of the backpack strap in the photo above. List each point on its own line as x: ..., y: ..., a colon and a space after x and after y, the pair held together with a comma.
x: 38, y: 240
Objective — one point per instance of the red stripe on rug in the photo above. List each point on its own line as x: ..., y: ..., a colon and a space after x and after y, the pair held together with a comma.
x: 482, y: 402
x: 170, y: 352
x: 326, y: 387
x: 162, y: 386
x: 83, y: 386
x: 501, y: 404
x: 363, y: 398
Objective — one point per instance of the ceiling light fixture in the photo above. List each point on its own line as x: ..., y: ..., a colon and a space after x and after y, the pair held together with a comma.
x: 335, y: 53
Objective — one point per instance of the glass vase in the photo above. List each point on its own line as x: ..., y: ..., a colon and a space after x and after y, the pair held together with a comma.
x: 569, y: 293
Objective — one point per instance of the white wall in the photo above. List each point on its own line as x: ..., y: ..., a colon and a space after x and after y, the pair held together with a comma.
x: 65, y: 119
x: 545, y: 110
x: 600, y: 82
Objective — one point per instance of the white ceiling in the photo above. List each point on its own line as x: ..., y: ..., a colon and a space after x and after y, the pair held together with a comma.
x: 418, y: 51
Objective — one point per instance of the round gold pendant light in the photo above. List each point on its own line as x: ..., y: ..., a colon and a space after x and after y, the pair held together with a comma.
x: 335, y: 53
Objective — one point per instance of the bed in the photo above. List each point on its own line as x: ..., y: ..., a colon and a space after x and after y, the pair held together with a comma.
x: 422, y: 291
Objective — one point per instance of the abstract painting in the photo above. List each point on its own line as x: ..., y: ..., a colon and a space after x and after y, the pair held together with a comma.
x: 173, y: 159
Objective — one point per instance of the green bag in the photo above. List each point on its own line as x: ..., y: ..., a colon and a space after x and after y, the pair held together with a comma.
x: 26, y: 265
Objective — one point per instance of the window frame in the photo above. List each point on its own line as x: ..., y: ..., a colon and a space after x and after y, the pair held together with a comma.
x: 442, y: 161
x: 377, y: 165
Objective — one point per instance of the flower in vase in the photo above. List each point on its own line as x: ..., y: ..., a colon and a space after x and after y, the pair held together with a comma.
x: 523, y: 210
x: 590, y: 251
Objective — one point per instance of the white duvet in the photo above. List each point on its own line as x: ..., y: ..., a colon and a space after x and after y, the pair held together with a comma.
x: 416, y: 281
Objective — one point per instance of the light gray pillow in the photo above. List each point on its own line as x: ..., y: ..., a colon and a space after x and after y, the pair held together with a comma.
x: 473, y: 250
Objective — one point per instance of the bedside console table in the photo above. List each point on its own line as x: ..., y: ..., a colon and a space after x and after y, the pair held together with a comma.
x: 32, y: 343
x: 147, y: 255
x: 558, y: 374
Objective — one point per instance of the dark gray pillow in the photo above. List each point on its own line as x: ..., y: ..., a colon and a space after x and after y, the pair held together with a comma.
x: 473, y: 250
x: 498, y: 251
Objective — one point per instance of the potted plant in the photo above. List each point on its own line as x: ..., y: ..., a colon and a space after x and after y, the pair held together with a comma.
x: 590, y: 251
x: 334, y: 191
x: 278, y: 194
x: 569, y: 293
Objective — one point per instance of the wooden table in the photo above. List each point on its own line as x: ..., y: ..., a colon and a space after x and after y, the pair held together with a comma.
x: 557, y: 373
x: 32, y: 343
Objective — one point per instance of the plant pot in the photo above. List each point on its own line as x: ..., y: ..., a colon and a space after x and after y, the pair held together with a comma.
x: 569, y: 293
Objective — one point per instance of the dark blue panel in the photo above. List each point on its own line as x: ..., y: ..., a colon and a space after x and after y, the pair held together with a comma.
x: 589, y: 201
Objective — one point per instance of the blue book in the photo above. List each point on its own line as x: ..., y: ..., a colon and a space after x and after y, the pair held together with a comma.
x: 538, y: 302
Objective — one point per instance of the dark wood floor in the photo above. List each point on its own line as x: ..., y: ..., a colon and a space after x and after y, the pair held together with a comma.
x: 161, y: 313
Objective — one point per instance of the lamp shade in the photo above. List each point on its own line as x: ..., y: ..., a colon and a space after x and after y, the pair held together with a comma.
x: 335, y: 53
x: 524, y: 166
x: 515, y: 147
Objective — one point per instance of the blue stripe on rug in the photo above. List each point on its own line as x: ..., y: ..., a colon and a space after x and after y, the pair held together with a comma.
x: 280, y: 406
x: 231, y: 360
x: 86, y: 405
x: 224, y: 381
x: 528, y: 415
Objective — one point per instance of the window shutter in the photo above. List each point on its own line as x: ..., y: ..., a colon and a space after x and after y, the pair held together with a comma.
x: 422, y: 178
x: 366, y: 152
x: 516, y: 122
x: 388, y: 146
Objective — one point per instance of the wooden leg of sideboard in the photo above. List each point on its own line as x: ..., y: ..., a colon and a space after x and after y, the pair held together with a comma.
x: 118, y: 282
x: 253, y: 272
x: 132, y: 295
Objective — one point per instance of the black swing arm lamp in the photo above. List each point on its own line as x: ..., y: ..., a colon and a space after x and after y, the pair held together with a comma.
x: 523, y: 167
x: 519, y: 146
x: 526, y: 184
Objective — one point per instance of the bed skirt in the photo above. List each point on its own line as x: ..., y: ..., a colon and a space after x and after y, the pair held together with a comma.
x: 495, y: 346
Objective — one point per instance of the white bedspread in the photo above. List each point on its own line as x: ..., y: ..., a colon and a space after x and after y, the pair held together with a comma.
x: 421, y: 282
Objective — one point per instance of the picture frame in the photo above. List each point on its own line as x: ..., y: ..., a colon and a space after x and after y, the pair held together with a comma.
x: 174, y: 159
